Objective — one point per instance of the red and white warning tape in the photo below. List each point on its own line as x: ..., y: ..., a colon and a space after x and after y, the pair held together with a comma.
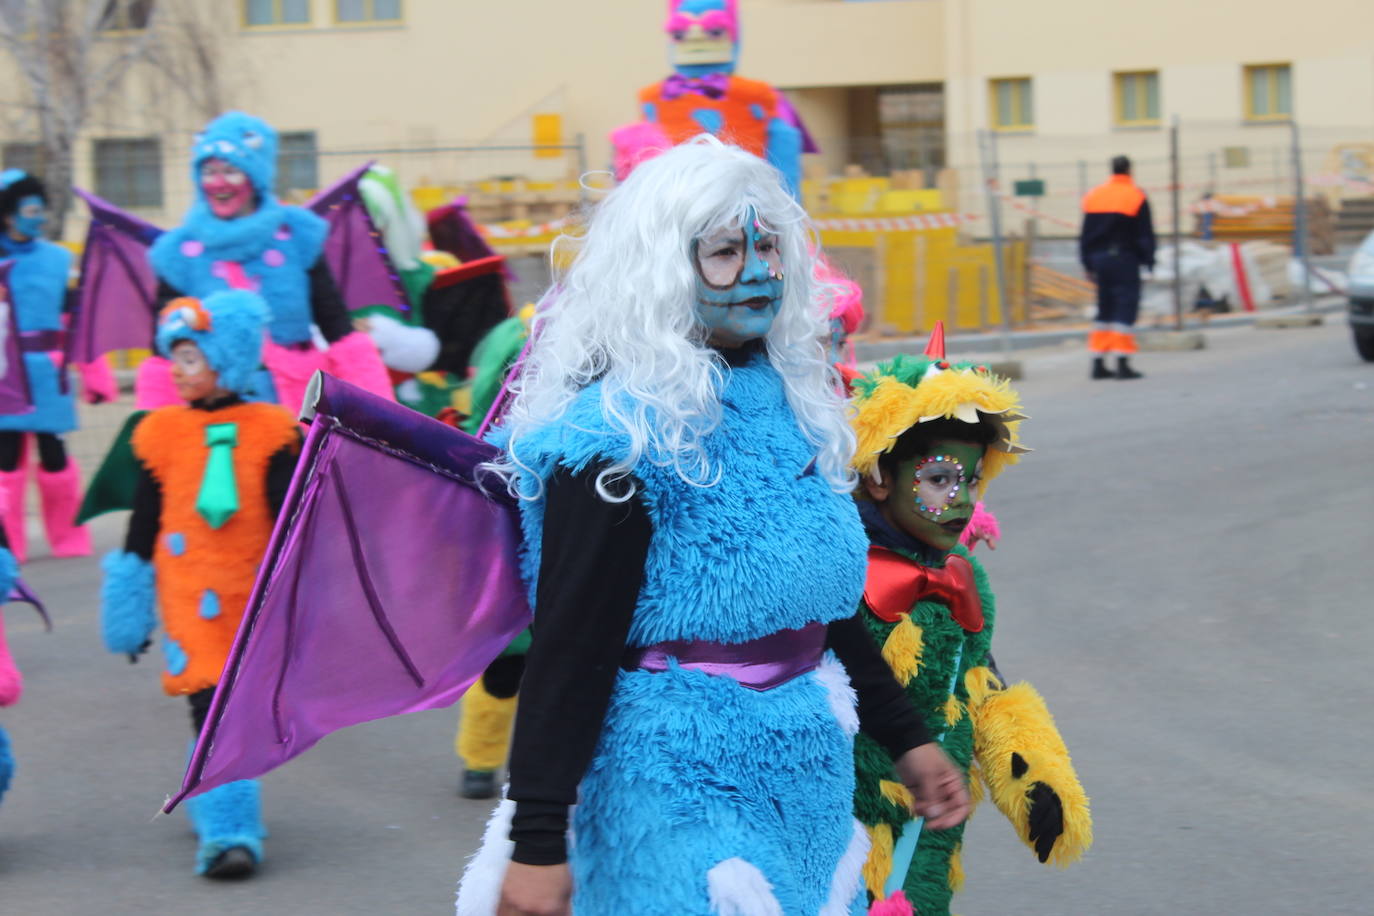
x: 504, y: 232
x: 896, y: 223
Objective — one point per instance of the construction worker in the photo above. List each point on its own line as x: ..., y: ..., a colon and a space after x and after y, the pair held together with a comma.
x: 1117, y: 240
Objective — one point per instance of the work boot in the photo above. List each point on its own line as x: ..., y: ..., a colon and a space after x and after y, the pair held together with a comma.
x: 1100, y: 369
x: 1124, y: 370
x: 478, y: 784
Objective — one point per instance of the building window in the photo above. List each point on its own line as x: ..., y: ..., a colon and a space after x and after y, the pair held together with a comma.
x: 1012, y: 108
x: 911, y: 126
x: 1268, y: 92
x: 1137, y: 99
x: 128, y: 173
x: 126, y: 15
x: 367, y: 10
x: 276, y: 12
x: 298, y: 166
x: 27, y: 157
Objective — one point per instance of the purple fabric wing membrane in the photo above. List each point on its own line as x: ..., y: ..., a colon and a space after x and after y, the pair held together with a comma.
x: 789, y: 115
x: 116, y: 300
x: 15, y: 395
x: 22, y: 593
x: 391, y: 581
x: 355, y: 251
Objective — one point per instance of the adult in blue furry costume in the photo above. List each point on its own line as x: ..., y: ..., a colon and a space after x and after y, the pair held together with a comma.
x: 38, y: 294
x: 238, y: 235
x: 695, y: 561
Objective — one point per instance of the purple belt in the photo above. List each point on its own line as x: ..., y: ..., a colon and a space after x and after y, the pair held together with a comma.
x: 760, y: 664
x: 42, y: 341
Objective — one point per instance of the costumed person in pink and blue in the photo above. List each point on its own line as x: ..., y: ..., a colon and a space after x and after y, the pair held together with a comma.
x: 238, y: 236
x: 212, y: 476
x: 703, y: 94
x: 678, y: 444
x: 38, y: 293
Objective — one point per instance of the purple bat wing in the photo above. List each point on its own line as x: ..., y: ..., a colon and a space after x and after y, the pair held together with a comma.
x: 390, y: 583
x: 116, y: 301
x: 355, y: 252
x: 790, y: 116
x: 15, y: 396
x: 22, y: 593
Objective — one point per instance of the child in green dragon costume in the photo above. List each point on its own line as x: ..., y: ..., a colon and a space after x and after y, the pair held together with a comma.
x: 930, y: 432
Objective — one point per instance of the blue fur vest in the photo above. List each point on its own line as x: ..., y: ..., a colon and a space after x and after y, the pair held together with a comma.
x: 38, y: 282
x: 768, y: 547
x: 271, y: 250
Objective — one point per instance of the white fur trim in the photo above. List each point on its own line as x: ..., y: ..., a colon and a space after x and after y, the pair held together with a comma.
x: 403, y: 347
x: 844, y: 703
x: 845, y: 885
x: 738, y: 888
x: 479, y: 890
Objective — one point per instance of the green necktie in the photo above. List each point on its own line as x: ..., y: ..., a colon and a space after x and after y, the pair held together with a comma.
x: 219, y: 494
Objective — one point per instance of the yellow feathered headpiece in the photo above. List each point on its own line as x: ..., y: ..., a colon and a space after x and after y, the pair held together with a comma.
x: 909, y: 390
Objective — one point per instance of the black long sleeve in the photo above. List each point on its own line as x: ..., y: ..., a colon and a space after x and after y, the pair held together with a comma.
x: 886, y: 713
x: 590, y: 573
x: 327, y: 306
x: 1145, y: 235
x: 146, y: 520
x: 280, y: 469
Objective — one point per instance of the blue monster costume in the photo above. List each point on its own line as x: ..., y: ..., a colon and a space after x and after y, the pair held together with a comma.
x: 38, y: 291
x: 274, y: 251
x: 761, y: 778
x: 704, y: 95
x: 210, y: 483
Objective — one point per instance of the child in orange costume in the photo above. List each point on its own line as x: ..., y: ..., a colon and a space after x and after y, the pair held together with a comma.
x: 212, y: 477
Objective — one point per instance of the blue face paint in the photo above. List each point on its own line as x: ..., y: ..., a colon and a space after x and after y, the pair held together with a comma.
x: 28, y: 221
x: 739, y: 283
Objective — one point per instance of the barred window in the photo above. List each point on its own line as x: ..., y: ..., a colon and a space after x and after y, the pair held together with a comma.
x: 298, y: 167
x: 128, y: 172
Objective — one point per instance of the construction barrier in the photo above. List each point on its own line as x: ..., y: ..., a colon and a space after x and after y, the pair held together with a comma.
x: 913, y: 276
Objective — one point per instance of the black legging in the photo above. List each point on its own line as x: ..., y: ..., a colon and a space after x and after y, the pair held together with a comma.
x: 200, y: 707
x: 52, y: 454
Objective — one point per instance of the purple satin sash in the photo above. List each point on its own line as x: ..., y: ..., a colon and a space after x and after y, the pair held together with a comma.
x: 42, y: 341
x: 760, y: 664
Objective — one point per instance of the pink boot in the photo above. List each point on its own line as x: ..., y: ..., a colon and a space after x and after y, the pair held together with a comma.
x: 11, y: 682
x: 61, y: 493
x: 12, y: 485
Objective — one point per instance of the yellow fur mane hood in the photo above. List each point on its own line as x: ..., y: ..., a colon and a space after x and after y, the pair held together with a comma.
x: 908, y: 390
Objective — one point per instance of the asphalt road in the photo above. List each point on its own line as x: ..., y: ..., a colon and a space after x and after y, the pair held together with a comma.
x: 1187, y: 574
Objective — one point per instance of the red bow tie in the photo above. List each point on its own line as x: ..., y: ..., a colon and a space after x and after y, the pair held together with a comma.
x: 895, y: 584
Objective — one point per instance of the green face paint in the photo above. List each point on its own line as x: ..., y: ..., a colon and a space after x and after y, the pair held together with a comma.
x: 932, y: 495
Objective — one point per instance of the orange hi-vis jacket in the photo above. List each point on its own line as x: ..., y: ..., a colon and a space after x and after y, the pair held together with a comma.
x: 1116, y: 219
x: 744, y: 112
x: 204, y: 574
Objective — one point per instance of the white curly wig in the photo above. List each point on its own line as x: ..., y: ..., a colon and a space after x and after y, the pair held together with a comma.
x: 624, y: 313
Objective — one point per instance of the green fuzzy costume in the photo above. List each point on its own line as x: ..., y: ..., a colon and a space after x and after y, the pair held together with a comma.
x: 927, y: 883
x: 996, y: 734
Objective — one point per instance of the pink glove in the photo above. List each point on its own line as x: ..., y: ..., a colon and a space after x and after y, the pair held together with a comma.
x: 982, y: 526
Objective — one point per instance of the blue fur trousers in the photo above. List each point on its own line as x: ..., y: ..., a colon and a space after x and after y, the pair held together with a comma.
x: 6, y: 762
x: 225, y: 817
